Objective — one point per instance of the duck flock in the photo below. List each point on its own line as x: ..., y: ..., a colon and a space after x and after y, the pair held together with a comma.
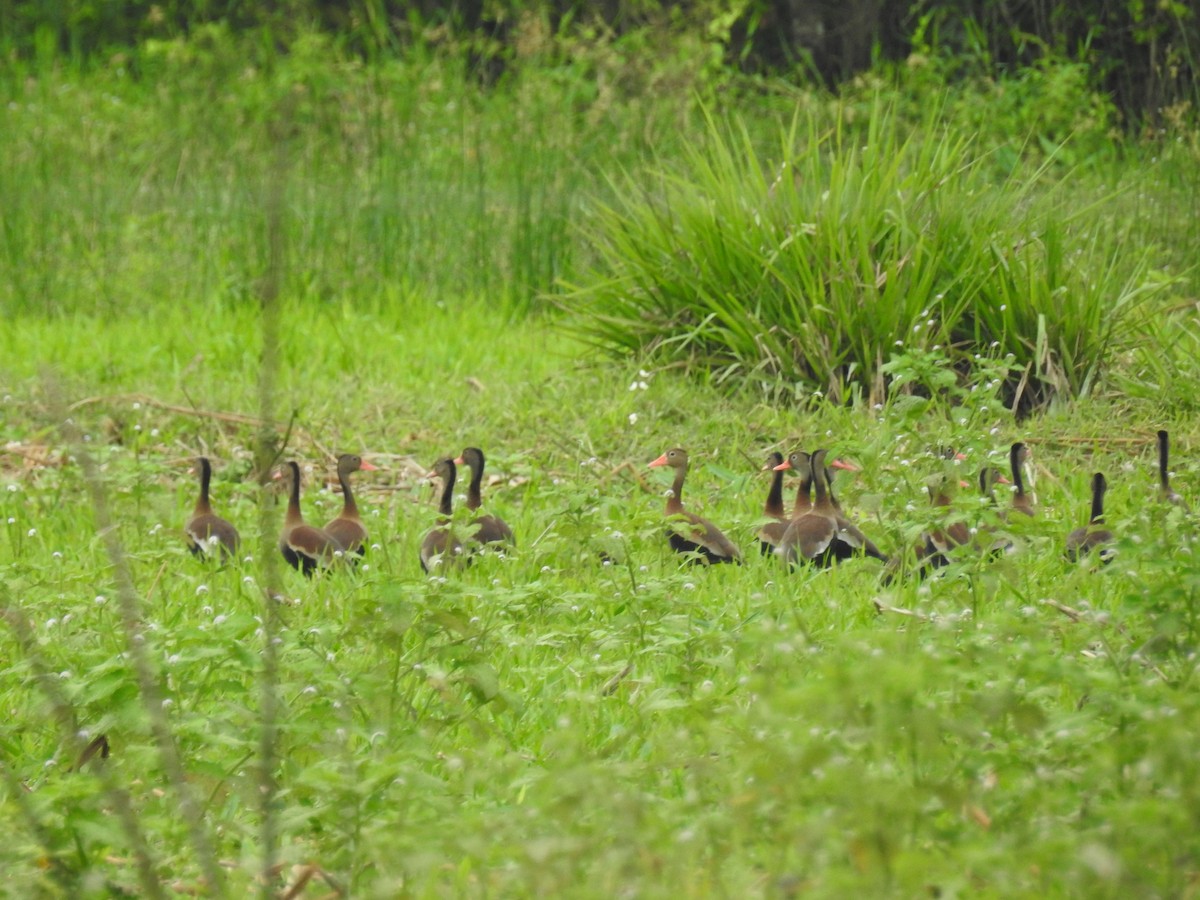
x: 814, y: 532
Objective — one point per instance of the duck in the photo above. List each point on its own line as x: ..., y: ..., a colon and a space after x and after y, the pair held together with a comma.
x: 698, y: 536
x: 809, y: 536
x: 206, y: 531
x: 440, y: 544
x: 823, y: 534
x: 850, y: 539
x: 770, y: 534
x: 305, y: 547
x: 1021, y: 501
x: 347, y: 528
x: 489, y: 529
x: 1164, y: 478
x: 939, y: 544
x: 1093, y: 536
x: 985, y: 538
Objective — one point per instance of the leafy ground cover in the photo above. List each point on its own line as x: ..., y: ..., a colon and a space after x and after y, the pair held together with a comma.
x: 586, y: 716
x: 549, y: 723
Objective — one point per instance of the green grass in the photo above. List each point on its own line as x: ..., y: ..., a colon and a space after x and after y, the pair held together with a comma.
x: 543, y: 724
x: 803, y: 270
x: 476, y: 734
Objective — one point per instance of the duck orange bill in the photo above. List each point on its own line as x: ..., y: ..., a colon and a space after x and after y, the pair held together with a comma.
x: 661, y: 461
x: 1000, y: 479
x: 459, y: 461
x: 783, y: 466
x: 965, y: 484
x: 842, y: 464
x: 367, y: 467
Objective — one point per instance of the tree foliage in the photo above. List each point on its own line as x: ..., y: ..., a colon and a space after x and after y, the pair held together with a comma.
x: 1141, y: 53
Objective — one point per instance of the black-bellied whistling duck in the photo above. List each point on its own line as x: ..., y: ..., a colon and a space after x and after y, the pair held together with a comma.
x: 823, y: 534
x: 304, y: 546
x: 1021, y: 501
x: 1164, y: 476
x: 850, y: 540
x: 810, y: 535
x: 207, y: 532
x: 1094, y: 535
x: 348, y: 529
x: 696, y: 535
x: 939, y: 543
x: 989, y: 477
x: 771, y: 533
x: 440, y: 545
x: 489, y: 529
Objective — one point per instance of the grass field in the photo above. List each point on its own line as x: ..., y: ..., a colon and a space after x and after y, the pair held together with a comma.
x: 548, y: 723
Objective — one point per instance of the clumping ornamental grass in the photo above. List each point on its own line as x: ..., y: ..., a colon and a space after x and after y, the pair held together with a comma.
x: 805, y: 269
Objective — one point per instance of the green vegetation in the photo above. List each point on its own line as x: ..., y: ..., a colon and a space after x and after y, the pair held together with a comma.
x: 585, y: 716
x: 806, y: 272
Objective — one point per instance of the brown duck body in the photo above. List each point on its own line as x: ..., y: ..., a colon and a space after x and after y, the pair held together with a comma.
x: 440, y: 547
x: 347, y: 528
x: 772, y: 533
x: 208, y: 534
x: 822, y: 534
x: 488, y: 529
x: 1093, y: 536
x: 694, y: 534
x: 304, y: 547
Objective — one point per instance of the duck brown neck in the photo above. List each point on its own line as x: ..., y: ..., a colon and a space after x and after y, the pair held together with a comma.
x: 349, y: 507
x: 294, y: 516
x: 1098, y: 488
x: 821, y: 500
x: 803, y: 495
x: 203, y: 507
x: 474, y: 494
x: 1018, y: 478
x: 446, y: 507
x: 986, y: 483
x: 774, y: 504
x: 675, y: 501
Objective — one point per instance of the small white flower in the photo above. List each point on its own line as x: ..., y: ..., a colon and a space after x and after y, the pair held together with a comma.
x: 101, y: 599
x: 168, y: 703
x: 633, y: 417
x: 201, y: 589
x: 219, y: 620
x: 310, y: 690
x: 173, y: 659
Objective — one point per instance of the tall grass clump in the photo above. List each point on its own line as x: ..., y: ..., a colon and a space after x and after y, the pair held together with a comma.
x: 806, y: 270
